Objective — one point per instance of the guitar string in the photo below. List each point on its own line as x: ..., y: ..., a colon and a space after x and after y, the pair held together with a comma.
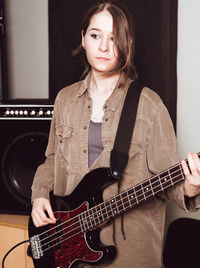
x: 108, y: 200
x: 81, y: 232
x: 64, y: 240
x: 86, y: 218
x: 110, y: 209
x: 150, y: 179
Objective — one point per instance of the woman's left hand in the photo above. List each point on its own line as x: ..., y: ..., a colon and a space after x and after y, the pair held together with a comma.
x: 192, y: 175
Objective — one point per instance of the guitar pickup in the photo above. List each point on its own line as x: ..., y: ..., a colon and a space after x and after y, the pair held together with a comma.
x: 58, y: 234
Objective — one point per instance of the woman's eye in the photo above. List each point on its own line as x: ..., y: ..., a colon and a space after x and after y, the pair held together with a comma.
x: 95, y: 36
x: 112, y: 39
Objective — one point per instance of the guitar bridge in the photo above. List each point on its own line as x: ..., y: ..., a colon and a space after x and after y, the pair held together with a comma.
x: 36, y: 248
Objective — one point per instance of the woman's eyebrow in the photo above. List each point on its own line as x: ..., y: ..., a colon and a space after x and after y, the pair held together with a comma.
x: 94, y: 29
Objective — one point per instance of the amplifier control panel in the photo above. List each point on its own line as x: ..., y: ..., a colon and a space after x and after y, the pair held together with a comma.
x: 26, y: 111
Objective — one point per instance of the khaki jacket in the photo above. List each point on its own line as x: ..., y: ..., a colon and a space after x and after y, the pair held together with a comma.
x: 153, y: 148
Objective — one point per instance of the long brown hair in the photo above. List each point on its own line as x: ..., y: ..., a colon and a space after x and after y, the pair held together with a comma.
x: 123, y: 30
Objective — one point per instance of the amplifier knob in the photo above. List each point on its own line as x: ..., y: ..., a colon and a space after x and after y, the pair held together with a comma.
x: 32, y: 112
x: 40, y: 112
x: 25, y: 112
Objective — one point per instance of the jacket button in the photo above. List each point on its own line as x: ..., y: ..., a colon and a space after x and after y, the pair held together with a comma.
x: 106, y: 119
x: 84, y: 127
x: 115, y: 173
x: 84, y: 151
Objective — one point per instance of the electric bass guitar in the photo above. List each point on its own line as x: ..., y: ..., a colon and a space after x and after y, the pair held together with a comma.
x: 74, y: 240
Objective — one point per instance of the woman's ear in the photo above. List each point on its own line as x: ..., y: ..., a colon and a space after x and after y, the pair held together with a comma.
x: 83, y: 39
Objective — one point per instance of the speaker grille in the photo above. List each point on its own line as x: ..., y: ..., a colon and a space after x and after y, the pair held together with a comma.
x: 24, y: 142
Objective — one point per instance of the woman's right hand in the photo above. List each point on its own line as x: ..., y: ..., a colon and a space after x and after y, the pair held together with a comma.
x: 42, y: 213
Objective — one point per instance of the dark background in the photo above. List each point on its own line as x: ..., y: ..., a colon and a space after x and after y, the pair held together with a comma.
x: 156, y: 45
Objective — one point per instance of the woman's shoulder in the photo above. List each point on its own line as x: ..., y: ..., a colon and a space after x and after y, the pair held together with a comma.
x: 151, y: 98
x: 150, y: 104
x: 70, y: 91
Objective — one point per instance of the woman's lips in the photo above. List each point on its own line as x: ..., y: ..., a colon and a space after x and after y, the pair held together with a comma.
x: 102, y: 59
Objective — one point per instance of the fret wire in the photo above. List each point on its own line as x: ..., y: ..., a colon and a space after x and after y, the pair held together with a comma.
x: 88, y: 218
x: 135, y: 196
x: 85, y: 220
x: 94, y: 211
x: 110, y: 205
x: 80, y: 221
x: 172, y: 183
x: 106, y: 216
x: 143, y: 191
x: 118, y: 201
x: 151, y: 186
x: 122, y: 201
x: 128, y: 198
x: 146, y: 186
x: 160, y: 182
x: 112, y: 201
x: 124, y: 196
x: 181, y: 171
x: 115, y: 203
x: 100, y: 213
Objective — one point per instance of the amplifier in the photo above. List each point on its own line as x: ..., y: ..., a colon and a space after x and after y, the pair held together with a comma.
x: 24, y: 137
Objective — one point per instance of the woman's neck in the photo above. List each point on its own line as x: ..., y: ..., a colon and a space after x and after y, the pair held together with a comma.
x: 100, y: 90
x: 102, y: 85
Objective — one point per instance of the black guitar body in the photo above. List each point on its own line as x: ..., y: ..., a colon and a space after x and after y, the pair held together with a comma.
x: 71, y: 246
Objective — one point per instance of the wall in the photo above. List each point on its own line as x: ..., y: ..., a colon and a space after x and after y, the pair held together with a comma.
x: 188, y: 72
x: 27, y: 48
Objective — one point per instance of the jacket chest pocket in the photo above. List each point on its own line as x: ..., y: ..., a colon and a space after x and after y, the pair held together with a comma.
x: 64, y: 135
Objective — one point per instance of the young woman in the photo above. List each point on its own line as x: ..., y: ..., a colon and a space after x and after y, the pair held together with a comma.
x: 82, y: 134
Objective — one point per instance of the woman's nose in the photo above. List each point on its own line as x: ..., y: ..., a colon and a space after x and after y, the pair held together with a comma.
x: 104, y: 46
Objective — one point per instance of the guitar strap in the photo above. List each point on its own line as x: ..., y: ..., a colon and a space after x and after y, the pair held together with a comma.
x: 119, y: 154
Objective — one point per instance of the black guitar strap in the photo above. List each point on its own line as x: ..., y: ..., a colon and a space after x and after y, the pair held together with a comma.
x: 119, y: 154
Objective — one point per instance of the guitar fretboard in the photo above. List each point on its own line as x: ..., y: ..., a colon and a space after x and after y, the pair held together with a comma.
x: 103, y: 212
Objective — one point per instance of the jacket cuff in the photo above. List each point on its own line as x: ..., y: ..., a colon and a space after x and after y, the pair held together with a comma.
x: 37, y: 193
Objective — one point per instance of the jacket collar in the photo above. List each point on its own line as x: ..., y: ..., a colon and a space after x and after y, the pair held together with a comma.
x: 120, y: 89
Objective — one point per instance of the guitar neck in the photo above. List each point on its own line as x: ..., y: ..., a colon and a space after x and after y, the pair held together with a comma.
x: 124, y: 201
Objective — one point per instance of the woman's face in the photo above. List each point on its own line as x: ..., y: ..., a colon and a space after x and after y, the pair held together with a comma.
x: 99, y: 44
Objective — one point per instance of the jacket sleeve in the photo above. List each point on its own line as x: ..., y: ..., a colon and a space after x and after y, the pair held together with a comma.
x: 162, y: 153
x: 44, y: 177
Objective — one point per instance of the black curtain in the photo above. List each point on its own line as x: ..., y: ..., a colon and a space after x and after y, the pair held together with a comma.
x: 156, y: 45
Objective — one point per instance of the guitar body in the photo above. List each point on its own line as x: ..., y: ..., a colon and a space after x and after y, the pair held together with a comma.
x: 65, y: 244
